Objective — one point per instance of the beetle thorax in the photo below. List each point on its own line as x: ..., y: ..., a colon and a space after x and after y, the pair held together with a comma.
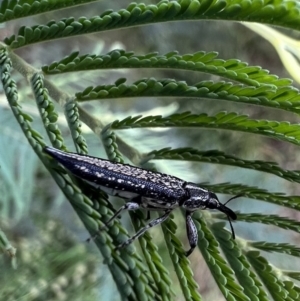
x: 197, y: 197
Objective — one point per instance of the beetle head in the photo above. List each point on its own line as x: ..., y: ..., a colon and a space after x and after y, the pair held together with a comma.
x: 214, y: 203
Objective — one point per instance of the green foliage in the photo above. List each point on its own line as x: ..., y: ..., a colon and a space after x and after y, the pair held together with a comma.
x: 11, y: 9
x: 286, y: 98
x: 238, y: 267
x: 140, y: 14
x: 77, y: 271
x: 200, y: 61
x: 279, y: 290
x: 217, y: 157
x: 223, y: 120
x: 248, y: 279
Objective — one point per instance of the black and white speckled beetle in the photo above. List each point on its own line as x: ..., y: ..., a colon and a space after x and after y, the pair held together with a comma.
x: 146, y: 189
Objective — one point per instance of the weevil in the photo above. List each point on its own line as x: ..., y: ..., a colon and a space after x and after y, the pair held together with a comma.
x: 145, y: 189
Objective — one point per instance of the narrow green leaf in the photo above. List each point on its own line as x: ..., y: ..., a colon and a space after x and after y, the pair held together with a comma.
x: 215, y: 156
x: 200, y: 62
x: 284, y: 131
x: 275, y: 286
x: 253, y: 287
x: 223, y: 274
x: 277, y: 198
x: 276, y: 247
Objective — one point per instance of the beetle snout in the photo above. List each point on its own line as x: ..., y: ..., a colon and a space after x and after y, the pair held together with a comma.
x: 227, y: 211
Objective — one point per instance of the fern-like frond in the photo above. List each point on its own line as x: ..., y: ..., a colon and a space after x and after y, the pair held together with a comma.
x: 253, y: 287
x: 278, y: 289
x: 125, y: 273
x: 11, y: 92
x: 283, y: 131
x: 72, y: 116
x: 275, y: 220
x: 47, y: 112
x: 286, y: 98
x: 275, y: 247
x: 277, y: 198
x: 12, y: 9
x: 239, y: 270
x: 181, y: 264
x: 165, y: 11
x: 200, y: 61
x: 218, y: 157
x: 222, y: 273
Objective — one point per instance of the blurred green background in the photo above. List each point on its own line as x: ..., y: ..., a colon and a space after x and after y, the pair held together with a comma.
x: 53, y: 260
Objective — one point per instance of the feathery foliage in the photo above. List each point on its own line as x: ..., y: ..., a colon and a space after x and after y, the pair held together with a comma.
x: 213, y: 89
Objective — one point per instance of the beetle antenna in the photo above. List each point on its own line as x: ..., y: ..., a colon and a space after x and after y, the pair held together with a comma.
x: 230, y: 214
x: 235, y: 197
x: 231, y: 227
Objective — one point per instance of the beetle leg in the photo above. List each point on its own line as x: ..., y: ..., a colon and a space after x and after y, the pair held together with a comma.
x: 138, y: 199
x: 192, y: 233
x: 153, y: 223
x: 127, y: 206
